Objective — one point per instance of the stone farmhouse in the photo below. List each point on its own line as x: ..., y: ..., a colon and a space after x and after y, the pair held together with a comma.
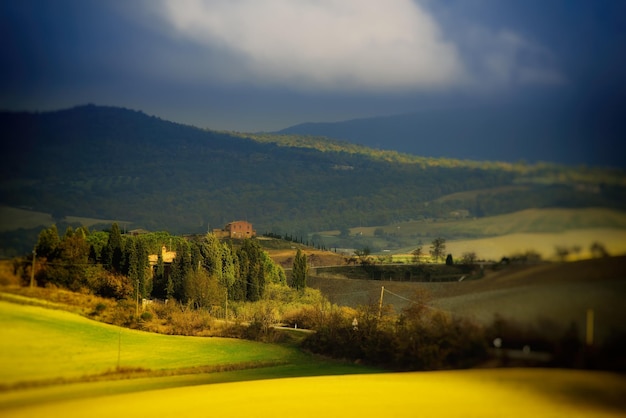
x: 236, y: 230
x: 233, y: 230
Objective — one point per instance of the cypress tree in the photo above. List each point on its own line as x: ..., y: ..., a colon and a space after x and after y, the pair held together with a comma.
x: 145, y: 284
x: 299, y: 271
x: 181, y: 266
x: 228, y: 268
x: 112, y: 252
x: 129, y: 261
x: 241, y: 285
x: 211, y: 250
x: 195, y: 255
x: 160, y: 281
x: 256, y: 272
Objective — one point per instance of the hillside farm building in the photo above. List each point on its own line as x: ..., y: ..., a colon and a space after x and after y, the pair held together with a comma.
x: 236, y: 230
x: 168, y: 257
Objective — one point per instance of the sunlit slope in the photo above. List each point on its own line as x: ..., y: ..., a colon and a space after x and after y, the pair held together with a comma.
x: 41, y: 344
x: 526, y: 221
x: 473, y: 393
x: 493, y: 237
x: 544, y: 244
x: 557, y: 292
x: 546, y: 220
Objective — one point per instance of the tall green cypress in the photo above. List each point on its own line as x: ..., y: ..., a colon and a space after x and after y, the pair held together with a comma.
x: 228, y: 268
x: 241, y: 283
x: 211, y: 250
x: 145, y: 284
x: 160, y: 281
x: 299, y: 271
x: 195, y: 256
x: 181, y: 266
x: 256, y: 271
x: 112, y: 252
x: 129, y: 260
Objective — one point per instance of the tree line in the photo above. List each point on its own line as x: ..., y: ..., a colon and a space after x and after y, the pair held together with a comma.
x: 203, y: 273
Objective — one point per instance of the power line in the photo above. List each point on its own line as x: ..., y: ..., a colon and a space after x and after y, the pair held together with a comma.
x: 351, y: 293
x: 416, y: 303
x: 401, y: 297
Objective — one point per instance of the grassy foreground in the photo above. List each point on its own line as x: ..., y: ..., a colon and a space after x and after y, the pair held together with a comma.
x: 42, y: 346
x: 470, y: 393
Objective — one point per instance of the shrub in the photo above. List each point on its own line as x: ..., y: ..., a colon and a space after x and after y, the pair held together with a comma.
x: 187, y: 321
x: 99, y: 309
x: 418, y: 342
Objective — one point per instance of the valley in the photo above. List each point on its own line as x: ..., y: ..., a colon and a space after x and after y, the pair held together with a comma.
x: 108, y: 163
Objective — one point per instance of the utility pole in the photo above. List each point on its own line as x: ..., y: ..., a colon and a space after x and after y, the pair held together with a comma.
x: 380, y: 304
x: 137, y: 305
x: 32, y: 270
x: 589, y: 339
x: 226, y: 308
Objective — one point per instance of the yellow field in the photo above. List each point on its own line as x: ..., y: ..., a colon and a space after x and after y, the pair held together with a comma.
x: 38, y: 343
x: 471, y: 393
x: 528, y: 220
x: 494, y: 248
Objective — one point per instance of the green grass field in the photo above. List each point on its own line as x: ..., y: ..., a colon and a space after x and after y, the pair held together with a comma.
x: 42, y: 344
x: 39, y: 344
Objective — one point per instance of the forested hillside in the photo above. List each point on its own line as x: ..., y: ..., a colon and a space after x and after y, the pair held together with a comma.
x: 113, y: 163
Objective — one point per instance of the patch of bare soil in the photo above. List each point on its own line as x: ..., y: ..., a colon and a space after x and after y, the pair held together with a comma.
x: 315, y: 258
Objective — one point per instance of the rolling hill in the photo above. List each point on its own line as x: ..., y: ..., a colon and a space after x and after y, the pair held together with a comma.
x: 346, y: 389
x: 556, y: 294
x: 117, y: 164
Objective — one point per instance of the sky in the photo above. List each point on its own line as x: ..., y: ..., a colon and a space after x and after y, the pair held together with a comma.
x: 252, y: 65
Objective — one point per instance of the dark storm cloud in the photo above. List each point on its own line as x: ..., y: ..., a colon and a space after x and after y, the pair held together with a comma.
x: 251, y: 65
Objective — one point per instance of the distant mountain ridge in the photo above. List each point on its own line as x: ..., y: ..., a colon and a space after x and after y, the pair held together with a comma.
x: 115, y: 163
x: 564, y: 134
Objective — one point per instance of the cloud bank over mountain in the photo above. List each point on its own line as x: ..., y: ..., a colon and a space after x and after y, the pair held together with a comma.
x: 264, y: 65
x: 327, y: 44
x: 350, y: 45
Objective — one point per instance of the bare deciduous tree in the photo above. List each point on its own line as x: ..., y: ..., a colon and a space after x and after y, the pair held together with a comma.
x: 438, y: 249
